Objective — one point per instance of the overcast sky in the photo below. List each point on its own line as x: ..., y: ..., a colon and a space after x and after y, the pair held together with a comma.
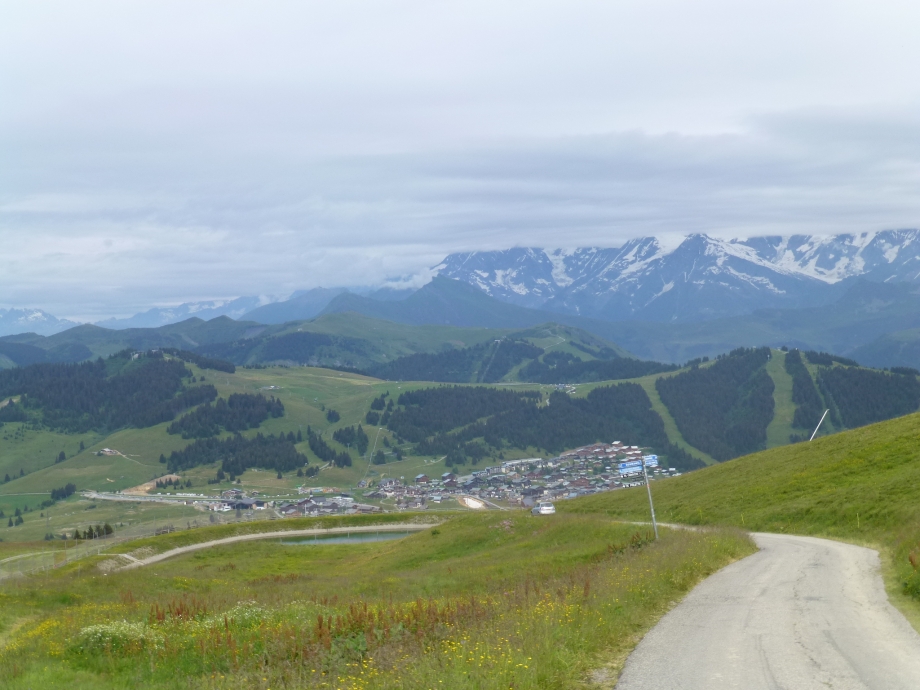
x: 153, y: 153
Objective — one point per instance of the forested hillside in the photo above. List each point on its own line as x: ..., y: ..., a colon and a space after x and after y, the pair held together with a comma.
x: 240, y: 412
x: 486, y: 363
x: 475, y: 422
x: 863, y: 396
x: 238, y: 454
x: 128, y: 389
x: 563, y: 367
x: 493, y: 362
x: 723, y: 409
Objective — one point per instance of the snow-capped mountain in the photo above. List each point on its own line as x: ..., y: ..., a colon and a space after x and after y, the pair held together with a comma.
x: 697, y: 278
x: 14, y: 321
x: 153, y: 318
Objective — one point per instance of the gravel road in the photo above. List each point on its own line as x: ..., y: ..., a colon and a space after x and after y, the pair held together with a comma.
x: 801, y: 613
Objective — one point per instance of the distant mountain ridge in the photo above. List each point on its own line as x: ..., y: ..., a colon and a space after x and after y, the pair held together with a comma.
x: 698, y: 278
x: 163, y: 316
x: 14, y: 321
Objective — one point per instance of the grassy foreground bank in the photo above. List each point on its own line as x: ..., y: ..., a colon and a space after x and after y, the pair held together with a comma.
x: 860, y: 486
x: 492, y: 600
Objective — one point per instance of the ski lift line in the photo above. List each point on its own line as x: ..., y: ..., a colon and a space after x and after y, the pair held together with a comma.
x: 819, y: 425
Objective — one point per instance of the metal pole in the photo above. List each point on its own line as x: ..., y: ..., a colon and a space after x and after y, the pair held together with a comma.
x: 650, y: 504
x: 819, y: 425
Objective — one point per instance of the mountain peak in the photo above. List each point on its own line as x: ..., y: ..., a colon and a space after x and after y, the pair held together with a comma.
x: 696, y: 278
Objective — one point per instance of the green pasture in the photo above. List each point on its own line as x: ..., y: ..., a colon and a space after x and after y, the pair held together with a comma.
x: 487, y: 600
x: 77, y: 512
x: 858, y: 485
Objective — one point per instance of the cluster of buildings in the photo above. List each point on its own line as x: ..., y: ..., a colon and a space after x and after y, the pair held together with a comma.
x: 586, y: 470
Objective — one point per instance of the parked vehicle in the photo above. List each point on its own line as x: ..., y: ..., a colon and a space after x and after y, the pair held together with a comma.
x: 543, y: 508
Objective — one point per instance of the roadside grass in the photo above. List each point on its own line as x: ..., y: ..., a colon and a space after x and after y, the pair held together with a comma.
x: 485, y: 600
x: 858, y: 485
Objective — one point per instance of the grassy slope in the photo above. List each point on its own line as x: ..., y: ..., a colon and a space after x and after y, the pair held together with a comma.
x: 306, y: 393
x: 503, y: 600
x: 781, y: 426
x: 670, y: 426
x: 858, y: 485
x: 396, y: 339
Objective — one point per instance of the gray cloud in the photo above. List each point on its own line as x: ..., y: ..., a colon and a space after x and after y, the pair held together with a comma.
x: 164, y: 152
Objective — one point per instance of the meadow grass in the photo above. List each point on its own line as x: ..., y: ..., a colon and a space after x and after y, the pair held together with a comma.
x: 489, y: 600
x: 858, y: 485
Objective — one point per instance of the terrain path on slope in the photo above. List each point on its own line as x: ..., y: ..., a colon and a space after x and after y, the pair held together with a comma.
x: 801, y: 613
x: 281, y: 534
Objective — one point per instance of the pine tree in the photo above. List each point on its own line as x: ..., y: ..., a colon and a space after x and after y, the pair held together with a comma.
x: 10, y: 523
x: 61, y: 457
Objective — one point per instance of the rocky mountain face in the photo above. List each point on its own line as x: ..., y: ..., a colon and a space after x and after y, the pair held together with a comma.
x: 695, y: 279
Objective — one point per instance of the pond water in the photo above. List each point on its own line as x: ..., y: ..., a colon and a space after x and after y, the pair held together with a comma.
x: 361, y: 538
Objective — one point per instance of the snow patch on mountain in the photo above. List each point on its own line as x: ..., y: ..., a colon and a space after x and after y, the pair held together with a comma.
x: 706, y: 276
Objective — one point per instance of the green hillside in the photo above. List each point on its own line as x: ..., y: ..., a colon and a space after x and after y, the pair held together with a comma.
x: 481, y: 601
x: 859, y: 485
x: 30, y: 451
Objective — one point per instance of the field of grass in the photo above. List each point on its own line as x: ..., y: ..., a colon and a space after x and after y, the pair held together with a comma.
x: 487, y: 600
x: 77, y: 512
x: 858, y: 485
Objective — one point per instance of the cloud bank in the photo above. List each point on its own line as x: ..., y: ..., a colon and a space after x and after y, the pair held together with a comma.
x: 156, y: 153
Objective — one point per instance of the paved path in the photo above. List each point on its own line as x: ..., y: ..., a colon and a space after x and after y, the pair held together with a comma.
x: 281, y: 534
x: 801, y: 613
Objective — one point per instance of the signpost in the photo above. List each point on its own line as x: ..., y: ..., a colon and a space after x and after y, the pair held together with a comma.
x: 650, y: 461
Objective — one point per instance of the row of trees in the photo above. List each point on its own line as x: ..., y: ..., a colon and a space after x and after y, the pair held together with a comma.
x: 94, y: 532
x: 240, y: 412
x: 353, y: 437
x: 237, y: 454
x: 201, y: 361
x: 63, y: 492
x: 723, y: 409
x: 325, y: 452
